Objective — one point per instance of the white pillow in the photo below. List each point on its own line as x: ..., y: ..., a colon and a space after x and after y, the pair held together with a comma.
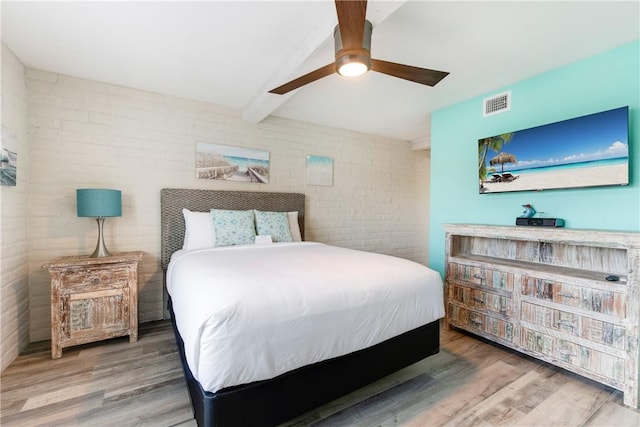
x: 198, y: 231
x: 294, y: 226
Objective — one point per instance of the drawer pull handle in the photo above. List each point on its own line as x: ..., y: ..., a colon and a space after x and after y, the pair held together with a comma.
x: 565, y: 352
x: 478, y: 276
x: 476, y: 321
x: 567, y: 295
x: 567, y: 323
x: 480, y: 300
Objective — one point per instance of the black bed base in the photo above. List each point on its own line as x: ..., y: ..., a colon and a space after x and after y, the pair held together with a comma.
x: 274, y: 401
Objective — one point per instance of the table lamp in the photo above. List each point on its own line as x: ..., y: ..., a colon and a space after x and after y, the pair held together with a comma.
x: 99, y: 203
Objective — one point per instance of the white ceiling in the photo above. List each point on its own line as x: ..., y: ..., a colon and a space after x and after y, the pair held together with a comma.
x: 230, y: 53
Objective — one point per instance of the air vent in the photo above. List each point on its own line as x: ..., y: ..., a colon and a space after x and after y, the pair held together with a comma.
x: 497, y: 104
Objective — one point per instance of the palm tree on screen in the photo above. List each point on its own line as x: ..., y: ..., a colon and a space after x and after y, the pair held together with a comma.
x: 493, y: 143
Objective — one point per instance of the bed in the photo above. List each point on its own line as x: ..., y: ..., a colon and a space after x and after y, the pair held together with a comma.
x: 272, y: 389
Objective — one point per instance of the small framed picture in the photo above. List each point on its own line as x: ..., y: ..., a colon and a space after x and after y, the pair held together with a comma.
x: 319, y: 170
x: 8, y: 158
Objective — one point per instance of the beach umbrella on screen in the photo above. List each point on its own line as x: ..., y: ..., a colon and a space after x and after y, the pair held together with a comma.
x: 501, y: 159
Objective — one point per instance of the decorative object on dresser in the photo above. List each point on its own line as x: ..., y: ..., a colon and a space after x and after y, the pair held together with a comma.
x: 540, y: 222
x: 552, y: 294
x: 529, y: 218
x: 93, y: 299
x: 529, y: 211
x: 99, y: 203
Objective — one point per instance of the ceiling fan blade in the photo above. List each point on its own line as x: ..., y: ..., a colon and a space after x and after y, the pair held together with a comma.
x: 415, y: 74
x: 306, y: 79
x: 351, y: 17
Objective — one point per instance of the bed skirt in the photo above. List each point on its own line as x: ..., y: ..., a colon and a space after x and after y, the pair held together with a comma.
x: 274, y: 401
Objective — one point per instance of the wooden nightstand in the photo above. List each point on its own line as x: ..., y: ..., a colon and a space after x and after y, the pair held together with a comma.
x: 93, y: 299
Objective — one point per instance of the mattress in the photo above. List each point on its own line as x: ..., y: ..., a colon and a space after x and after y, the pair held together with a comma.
x: 250, y: 313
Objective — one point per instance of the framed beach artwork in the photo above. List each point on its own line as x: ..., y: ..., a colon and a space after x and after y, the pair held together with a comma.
x: 319, y: 170
x: 587, y: 151
x: 8, y: 158
x: 228, y: 163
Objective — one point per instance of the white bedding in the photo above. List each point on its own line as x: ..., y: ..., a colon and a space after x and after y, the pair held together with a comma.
x: 249, y: 313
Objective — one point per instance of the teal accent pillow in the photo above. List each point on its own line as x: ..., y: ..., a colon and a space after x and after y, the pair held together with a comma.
x: 233, y: 227
x: 274, y: 224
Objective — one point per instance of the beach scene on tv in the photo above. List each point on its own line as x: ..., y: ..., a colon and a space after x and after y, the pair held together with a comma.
x: 587, y: 151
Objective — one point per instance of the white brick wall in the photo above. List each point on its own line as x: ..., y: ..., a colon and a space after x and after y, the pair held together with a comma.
x: 14, y: 289
x: 89, y: 134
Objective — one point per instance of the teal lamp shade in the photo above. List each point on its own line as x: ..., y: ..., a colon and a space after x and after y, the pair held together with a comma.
x: 99, y: 203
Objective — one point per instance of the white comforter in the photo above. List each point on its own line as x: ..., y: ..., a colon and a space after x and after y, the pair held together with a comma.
x: 250, y: 313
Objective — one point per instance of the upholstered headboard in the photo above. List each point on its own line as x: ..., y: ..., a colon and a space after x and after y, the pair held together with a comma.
x: 173, y: 200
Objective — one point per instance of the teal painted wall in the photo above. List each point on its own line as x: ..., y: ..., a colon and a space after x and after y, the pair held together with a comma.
x: 599, y: 83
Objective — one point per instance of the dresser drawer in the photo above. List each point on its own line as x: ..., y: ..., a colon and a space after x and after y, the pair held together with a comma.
x: 574, y: 324
x: 113, y: 277
x: 584, y: 358
x: 479, y: 299
x: 475, y: 320
x: 596, y: 300
x: 466, y: 273
x: 480, y: 276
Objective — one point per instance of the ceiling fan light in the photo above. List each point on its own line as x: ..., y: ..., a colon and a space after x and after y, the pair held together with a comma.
x: 352, y: 69
x: 353, y: 64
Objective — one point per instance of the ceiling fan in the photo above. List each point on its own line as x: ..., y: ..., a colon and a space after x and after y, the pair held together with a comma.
x: 353, y: 53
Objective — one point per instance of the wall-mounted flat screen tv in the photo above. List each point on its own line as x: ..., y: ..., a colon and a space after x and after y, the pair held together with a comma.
x: 586, y: 151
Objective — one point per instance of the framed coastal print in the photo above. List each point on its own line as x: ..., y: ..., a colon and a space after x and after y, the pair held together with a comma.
x: 8, y: 158
x: 228, y: 163
x: 319, y: 170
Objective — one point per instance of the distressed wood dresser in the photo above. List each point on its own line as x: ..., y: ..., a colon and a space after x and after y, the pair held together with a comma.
x: 93, y: 299
x: 568, y: 297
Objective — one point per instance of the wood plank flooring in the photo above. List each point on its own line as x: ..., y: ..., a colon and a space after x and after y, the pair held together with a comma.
x: 469, y: 383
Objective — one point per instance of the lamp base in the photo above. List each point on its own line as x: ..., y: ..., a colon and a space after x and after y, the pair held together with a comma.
x: 101, y: 250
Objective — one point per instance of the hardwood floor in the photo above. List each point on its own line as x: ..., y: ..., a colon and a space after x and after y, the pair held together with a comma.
x: 469, y: 383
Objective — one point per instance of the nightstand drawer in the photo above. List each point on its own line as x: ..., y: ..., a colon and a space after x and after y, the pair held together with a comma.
x: 95, y: 313
x: 87, y: 276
